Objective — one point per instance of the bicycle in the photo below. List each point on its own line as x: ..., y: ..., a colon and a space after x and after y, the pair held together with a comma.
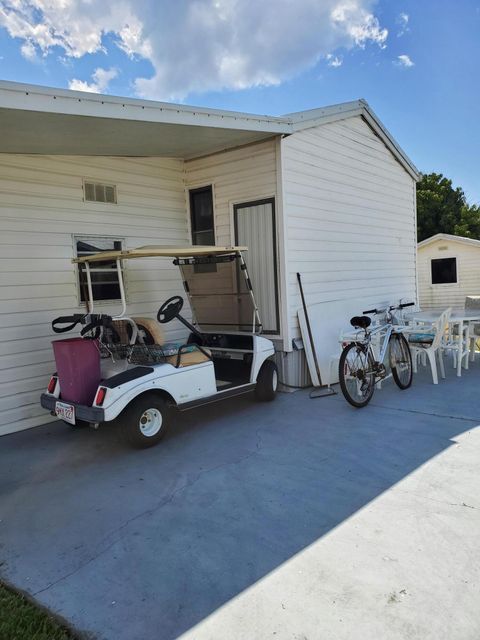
x: 360, y: 371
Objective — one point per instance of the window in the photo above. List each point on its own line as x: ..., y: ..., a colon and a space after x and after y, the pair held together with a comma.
x: 95, y: 192
x: 444, y: 271
x: 201, y: 216
x: 105, y: 284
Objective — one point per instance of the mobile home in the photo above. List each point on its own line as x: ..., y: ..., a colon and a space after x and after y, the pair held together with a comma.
x: 448, y: 271
x: 327, y: 193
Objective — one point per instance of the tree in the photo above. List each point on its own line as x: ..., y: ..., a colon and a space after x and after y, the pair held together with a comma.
x: 441, y: 208
x: 469, y: 224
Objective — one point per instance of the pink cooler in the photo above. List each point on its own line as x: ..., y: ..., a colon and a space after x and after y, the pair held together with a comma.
x: 78, y: 369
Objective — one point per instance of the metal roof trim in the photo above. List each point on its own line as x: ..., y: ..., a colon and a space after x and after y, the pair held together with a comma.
x: 448, y: 237
x: 316, y: 117
x: 15, y: 95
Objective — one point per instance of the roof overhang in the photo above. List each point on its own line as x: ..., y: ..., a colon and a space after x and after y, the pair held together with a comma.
x: 41, y: 120
x: 159, y: 251
x: 55, y: 121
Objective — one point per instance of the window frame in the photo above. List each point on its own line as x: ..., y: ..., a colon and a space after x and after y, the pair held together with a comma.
x: 92, y: 238
x: 196, y: 189
x: 444, y: 284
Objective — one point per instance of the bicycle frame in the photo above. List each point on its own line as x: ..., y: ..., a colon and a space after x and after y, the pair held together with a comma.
x: 389, y: 329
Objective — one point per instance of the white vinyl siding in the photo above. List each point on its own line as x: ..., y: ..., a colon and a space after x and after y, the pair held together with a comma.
x: 441, y: 296
x: 240, y: 175
x: 41, y: 210
x: 350, y: 214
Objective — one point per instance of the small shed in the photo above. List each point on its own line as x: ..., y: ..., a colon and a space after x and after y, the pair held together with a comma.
x: 448, y: 271
x: 328, y: 193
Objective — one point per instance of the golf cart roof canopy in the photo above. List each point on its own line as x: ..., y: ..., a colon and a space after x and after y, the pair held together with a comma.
x: 158, y: 251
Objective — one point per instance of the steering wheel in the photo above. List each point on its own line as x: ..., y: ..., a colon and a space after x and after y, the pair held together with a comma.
x: 170, y: 309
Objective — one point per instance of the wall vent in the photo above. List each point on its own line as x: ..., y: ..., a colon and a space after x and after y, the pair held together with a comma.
x: 97, y: 192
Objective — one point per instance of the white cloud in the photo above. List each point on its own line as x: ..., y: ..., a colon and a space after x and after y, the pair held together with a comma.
x: 199, y: 45
x: 362, y: 26
x: 101, y: 79
x: 334, y: 61
x: 75, y: 26
x: 28, y: 50
x: 404, y: 61
x: 403, y: 20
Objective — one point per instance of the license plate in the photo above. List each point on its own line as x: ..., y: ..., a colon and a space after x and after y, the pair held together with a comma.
x: 65, y: 412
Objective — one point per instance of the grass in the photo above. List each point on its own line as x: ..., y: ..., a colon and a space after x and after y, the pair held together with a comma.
x: 20, y: 619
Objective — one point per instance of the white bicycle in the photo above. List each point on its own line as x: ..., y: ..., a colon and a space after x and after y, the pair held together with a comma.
x: 359, y: 368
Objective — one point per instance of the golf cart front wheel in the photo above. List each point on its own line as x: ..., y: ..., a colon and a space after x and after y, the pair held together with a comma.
x: 145, y: 420
x: 267, y: 382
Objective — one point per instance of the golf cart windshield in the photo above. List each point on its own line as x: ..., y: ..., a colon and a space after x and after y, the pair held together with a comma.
x: 215, y: 279
x: 220, y: 293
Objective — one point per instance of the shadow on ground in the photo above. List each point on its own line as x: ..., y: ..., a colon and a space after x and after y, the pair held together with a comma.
x: 135, y: 544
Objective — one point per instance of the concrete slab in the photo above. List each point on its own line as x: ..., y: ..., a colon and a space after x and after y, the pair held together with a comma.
x: 297, y: 519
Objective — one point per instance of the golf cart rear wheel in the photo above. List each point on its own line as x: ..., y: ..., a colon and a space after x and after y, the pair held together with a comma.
x: 267, y: 382
x: 145, y: 420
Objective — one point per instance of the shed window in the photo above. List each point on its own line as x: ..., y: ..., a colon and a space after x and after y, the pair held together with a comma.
x: 201, y: 216
x: 444, y: 271
x: 96, y: 192
x: 105, y: 284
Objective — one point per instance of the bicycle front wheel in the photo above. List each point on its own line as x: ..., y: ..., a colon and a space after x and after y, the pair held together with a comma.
x: 356, y: 375
x: 400, y: 360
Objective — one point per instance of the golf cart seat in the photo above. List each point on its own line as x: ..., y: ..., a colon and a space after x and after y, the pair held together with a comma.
x: 151, y: 330
x: 152, y: 333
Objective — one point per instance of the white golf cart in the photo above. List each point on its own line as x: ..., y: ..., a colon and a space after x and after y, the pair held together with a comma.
x: 141, y: 377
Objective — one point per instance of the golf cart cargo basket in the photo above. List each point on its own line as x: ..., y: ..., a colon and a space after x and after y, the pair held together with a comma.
x: 145, y: 354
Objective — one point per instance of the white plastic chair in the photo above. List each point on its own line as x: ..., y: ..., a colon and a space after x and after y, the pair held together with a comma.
x: 473, y: 302
x: 456, y: 343
x: 427, y: 342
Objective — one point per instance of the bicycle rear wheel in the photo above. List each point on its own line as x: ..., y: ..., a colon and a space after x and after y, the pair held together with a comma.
x: 400, y: 360
x: 356, y: 375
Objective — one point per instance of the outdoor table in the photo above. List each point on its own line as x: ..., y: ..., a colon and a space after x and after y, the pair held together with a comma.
x: 458, y: 317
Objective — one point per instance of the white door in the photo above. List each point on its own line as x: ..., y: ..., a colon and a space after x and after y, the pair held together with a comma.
x: 255, y: 229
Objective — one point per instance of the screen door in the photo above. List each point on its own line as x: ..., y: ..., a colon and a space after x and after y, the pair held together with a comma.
x: 255, y: 229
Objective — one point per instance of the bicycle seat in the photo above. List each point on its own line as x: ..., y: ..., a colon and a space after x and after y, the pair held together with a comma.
x: 360, y: 322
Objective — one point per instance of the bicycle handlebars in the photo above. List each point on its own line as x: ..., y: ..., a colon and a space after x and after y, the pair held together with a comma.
x: 391, y: 308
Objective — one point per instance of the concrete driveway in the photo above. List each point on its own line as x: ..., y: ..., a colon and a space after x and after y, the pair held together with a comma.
x: 292, y: 520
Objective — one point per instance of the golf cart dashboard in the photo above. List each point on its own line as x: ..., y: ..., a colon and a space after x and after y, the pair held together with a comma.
x: 224, y: 341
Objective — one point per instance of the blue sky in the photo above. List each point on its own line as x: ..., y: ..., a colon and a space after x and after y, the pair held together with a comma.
x: 417, y: 63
